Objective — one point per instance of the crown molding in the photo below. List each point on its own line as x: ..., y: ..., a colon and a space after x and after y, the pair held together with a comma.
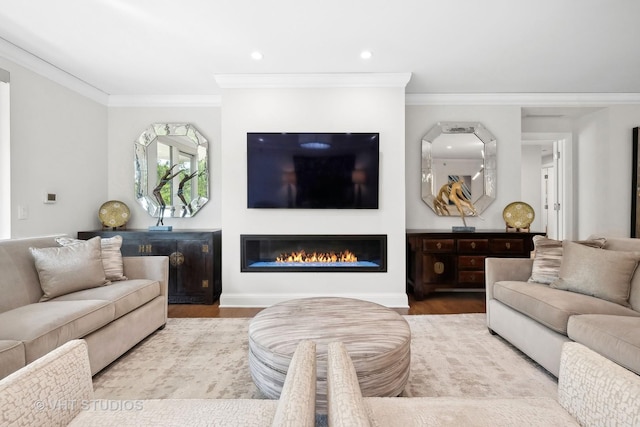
x: 326, y: 80
x: 523, y: 99
x: 165, y: 101
x: 340, y: 80
x: 39, y: 66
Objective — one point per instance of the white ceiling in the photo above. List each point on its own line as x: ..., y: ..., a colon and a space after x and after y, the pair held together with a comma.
x: 163, y: 47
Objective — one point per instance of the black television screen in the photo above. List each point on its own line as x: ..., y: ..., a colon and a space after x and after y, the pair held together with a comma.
x: 312, y: 170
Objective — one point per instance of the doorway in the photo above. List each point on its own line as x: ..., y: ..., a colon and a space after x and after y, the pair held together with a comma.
x: 548, y: 161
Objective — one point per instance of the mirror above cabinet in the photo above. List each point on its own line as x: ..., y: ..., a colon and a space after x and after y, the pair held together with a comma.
x: 171, y: 173
x: 462, y: 155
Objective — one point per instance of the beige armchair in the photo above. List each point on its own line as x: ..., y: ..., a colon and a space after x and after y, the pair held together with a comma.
x: 57, y: 390
x: 592, y: 391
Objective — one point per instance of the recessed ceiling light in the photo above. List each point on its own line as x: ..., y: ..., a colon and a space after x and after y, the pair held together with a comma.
x: 256, y: 55
x: 366, y: 54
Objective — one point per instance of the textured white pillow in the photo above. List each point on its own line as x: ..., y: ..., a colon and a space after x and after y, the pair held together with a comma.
x: 111, y: 255
x: 597, y: 272
x: 69, y: 268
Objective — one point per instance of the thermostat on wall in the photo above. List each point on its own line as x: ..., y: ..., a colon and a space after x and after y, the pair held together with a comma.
x: 50, y: 198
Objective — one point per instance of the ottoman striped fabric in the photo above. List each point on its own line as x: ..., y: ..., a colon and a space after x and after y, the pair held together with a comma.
x: 377, y: 338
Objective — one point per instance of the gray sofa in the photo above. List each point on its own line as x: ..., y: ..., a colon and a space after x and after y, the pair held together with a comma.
x: 57, y: 390
x: 538, y: 318
x: 111, y: 318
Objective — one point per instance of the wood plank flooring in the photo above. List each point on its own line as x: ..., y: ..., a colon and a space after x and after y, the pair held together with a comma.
x: 436, y: 303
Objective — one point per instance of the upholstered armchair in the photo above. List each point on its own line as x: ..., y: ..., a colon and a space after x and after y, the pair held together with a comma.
x: 57, y: 390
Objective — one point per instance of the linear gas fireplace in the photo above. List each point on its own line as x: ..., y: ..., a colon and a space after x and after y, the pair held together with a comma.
x: 313, y: 253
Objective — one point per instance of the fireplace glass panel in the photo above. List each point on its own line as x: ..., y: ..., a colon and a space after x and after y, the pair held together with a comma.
x: 314, y: 253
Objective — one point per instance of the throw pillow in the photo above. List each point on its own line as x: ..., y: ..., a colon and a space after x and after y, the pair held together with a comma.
x: 110, y: 253
x: 67, y: 269
x: 597, y: 272
x: 548, y: 257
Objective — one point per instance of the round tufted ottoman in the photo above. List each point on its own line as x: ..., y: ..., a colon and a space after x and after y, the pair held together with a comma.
x: 377, y: 338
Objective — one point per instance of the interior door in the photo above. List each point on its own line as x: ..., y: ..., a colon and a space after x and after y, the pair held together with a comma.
x: 557, y: 188
x: 549, y: 215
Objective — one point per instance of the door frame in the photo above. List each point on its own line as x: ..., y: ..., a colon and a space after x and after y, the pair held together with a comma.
x: 563, y: 177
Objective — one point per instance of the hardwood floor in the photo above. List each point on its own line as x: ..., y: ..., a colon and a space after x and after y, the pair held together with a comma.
x: 436, y: 303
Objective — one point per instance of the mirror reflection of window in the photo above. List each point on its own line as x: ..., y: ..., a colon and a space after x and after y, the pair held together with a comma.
x: 164, y: 164
x: 187, y: 188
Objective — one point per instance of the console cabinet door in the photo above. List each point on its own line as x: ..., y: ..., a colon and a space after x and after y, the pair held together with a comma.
x: 191, y: 262
x: 438, y: 268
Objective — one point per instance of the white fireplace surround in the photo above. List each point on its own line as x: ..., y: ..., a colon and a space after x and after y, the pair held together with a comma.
x: 367, y: 102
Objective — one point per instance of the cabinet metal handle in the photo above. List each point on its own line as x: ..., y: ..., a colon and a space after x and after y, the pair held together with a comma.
x: 439, y: 245
x: 145, y: 249
x: 473, y: 245
x: 176, y: 259
x: 473, y: 261
x: 507, y: 245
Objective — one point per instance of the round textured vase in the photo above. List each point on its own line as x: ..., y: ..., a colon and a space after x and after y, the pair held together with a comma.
x: 377, y: 338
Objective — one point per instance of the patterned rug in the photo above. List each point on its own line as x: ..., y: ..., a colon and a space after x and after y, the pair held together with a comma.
x: 451, y: 355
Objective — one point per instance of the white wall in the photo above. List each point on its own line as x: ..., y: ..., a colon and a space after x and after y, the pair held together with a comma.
x: 5, y: 156
x: 503, y: 122
x: 313, y: 110
x: 59, y: 145
x: 531, y: 189
x: 603, y: 176
x: 125, y: 125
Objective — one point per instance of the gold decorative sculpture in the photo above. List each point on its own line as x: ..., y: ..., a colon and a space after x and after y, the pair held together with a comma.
x: 453, y: 193
x: 439, y: 202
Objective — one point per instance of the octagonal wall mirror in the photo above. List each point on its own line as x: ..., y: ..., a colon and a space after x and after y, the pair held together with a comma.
x: 462, y: 152
x: 171, y: 172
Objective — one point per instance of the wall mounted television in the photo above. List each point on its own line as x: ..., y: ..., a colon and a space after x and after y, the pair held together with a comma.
x: 313, y: 170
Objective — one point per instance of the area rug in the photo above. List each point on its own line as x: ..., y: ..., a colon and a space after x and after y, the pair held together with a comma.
x: 451, y: 355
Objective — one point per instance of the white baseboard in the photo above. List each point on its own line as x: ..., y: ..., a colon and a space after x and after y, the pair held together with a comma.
x: 391, y: 300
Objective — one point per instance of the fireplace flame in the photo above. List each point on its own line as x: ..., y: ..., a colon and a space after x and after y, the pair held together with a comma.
x: 302, y: 257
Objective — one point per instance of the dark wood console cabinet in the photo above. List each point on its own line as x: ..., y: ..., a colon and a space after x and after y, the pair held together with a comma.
x: 448, y: 260
x: 194, y: 259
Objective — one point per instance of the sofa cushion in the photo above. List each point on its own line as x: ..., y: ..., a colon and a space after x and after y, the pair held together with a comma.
x: 66, y: 269
x: 460, y: 411
x: 110, y: 253
x: 553, y: 307
x: 178, y: 412
x: 127, y: 295
x: 615, y: 337
x: 548, y: 257
x: 11, y: 357
x: 596, y: 272
x: 627, y: 244
x: 19, y: 284
x: 44, y: 326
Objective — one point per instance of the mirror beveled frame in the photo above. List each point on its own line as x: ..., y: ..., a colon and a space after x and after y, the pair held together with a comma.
x: 489, y: 155
x: 181, y: 136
